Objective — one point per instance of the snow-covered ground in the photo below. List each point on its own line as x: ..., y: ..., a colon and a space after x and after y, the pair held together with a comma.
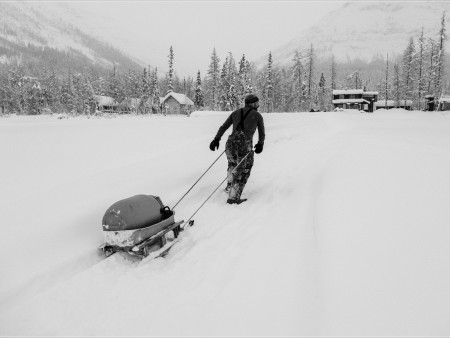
x: 346, y: 230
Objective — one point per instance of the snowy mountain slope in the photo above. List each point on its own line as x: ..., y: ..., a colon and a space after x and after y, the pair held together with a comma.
x: 345, y: 231
x: 366, y: 29
x: 56, y: 25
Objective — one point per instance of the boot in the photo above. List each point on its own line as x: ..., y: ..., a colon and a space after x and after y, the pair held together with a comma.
x: 236, y: 201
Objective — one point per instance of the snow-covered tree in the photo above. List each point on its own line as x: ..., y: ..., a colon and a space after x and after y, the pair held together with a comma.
x: 409, y: 67
x: 440, y: 59
x: 396, y: 86
x: 310, y: 68
x: 322, y: 92
x: 268, y: 85
x: 297, y: 80
x: 199, y: 99
x: 213, y: 81
x: 170, y: 74
x: 224, y: 86
x: 420, y: 68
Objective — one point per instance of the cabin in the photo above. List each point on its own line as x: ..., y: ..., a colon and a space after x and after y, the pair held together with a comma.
x: 391, y: 104
x: 354, y: 99
x: 176, y: 103
x: 106, y: 103
x: 444, y: 103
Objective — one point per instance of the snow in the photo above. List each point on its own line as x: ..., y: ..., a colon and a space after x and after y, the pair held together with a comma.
x: 348, y: 91
x: 349, y: 101
x: 345, y: 231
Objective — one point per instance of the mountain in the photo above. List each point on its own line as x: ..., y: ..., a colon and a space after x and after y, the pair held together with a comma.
x: 363, y: 30
x: 33, y: 31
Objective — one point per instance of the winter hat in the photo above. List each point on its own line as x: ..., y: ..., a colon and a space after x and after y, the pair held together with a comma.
x: 250, y: 98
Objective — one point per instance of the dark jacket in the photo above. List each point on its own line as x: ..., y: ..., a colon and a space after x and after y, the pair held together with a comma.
x: 253, y: 120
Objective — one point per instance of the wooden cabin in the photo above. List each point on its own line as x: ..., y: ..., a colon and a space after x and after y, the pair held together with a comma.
x: 176, y: 103
x: 106, y: 103
x: 354, y: 99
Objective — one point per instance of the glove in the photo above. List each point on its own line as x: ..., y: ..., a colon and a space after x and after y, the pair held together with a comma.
x: 259, y: 148
x: 214, y: 144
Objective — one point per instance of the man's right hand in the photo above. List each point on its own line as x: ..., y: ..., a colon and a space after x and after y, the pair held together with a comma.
x: 214, y: 144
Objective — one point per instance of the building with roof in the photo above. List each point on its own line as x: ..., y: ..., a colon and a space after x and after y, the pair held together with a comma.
x: 354, y: 99
x: 176, y: 103
x: 390, y: 104
x: 105, y: 103
x: 444, y: 103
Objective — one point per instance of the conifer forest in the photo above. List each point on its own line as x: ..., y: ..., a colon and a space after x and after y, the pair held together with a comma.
x: 56, y: 81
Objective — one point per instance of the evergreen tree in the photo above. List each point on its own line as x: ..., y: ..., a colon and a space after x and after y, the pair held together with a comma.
x: 440, y: 59
x: 431, y: 76
x: 199, y: 100
x: 224, y: 87
x: 322, y: 92
x: 69, y: 98
x: 155, y: 91
x: 310, y: 77
x: 268, y: 85
x: 409, y: 67
x: 146, y: 93
x: 420, y: 69
x: 386, y: 81
x: 170, y: 76
x: 297, y: 78
x: 213, y: 81
x: 396, y: 86
x: 232, y: 95
x: 244, y: 81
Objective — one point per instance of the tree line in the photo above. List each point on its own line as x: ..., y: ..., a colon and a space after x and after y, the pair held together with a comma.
x: 303, y: 85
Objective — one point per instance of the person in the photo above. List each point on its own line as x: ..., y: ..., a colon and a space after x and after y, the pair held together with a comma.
x: 239, y: 146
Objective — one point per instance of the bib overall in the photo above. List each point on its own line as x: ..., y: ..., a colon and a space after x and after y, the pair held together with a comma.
x: 238, y: 145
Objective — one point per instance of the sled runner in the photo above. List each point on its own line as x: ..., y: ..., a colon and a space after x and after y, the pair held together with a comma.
x: 138, y: 225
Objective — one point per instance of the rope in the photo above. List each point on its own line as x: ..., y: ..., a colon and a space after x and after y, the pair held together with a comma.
x: 187, y: 222
x: 198, y: 180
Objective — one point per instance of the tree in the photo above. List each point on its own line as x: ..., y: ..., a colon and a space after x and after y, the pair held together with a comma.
x: 386, y: 81
x: 322, y: 90
x: 170, y: 75
x: 420, y: 69
x: 199, y: 100
x: 224, y: 87
x: 155, y: 89
x: 268, y: 85
x: 297, y: 78
x: 396, y: 86
x: 213, y: 80
x: 440, y: 59
x: 310, y: 60
x: 409, y: 66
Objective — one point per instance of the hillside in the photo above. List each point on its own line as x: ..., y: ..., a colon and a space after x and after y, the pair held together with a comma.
x: 364, y: 30
x: 41, y: 33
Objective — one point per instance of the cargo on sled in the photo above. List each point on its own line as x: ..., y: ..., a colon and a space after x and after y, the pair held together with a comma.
x: 138, y: 225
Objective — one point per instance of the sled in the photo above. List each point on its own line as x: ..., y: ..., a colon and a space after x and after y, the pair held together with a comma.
x: 138, y: 226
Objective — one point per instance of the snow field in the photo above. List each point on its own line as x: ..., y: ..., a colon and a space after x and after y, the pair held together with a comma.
x: 345, y: 231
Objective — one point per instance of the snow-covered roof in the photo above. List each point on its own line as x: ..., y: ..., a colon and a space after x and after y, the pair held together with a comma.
x: 391, y: 103
x: 105, y: 100
x: 445, y: 99
x: 350, y: 101
x: 370, y: 93
x: 349, y: 91
x: 181, y: 98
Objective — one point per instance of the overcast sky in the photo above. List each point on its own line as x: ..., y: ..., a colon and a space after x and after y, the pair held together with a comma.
x: 147, y: 29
